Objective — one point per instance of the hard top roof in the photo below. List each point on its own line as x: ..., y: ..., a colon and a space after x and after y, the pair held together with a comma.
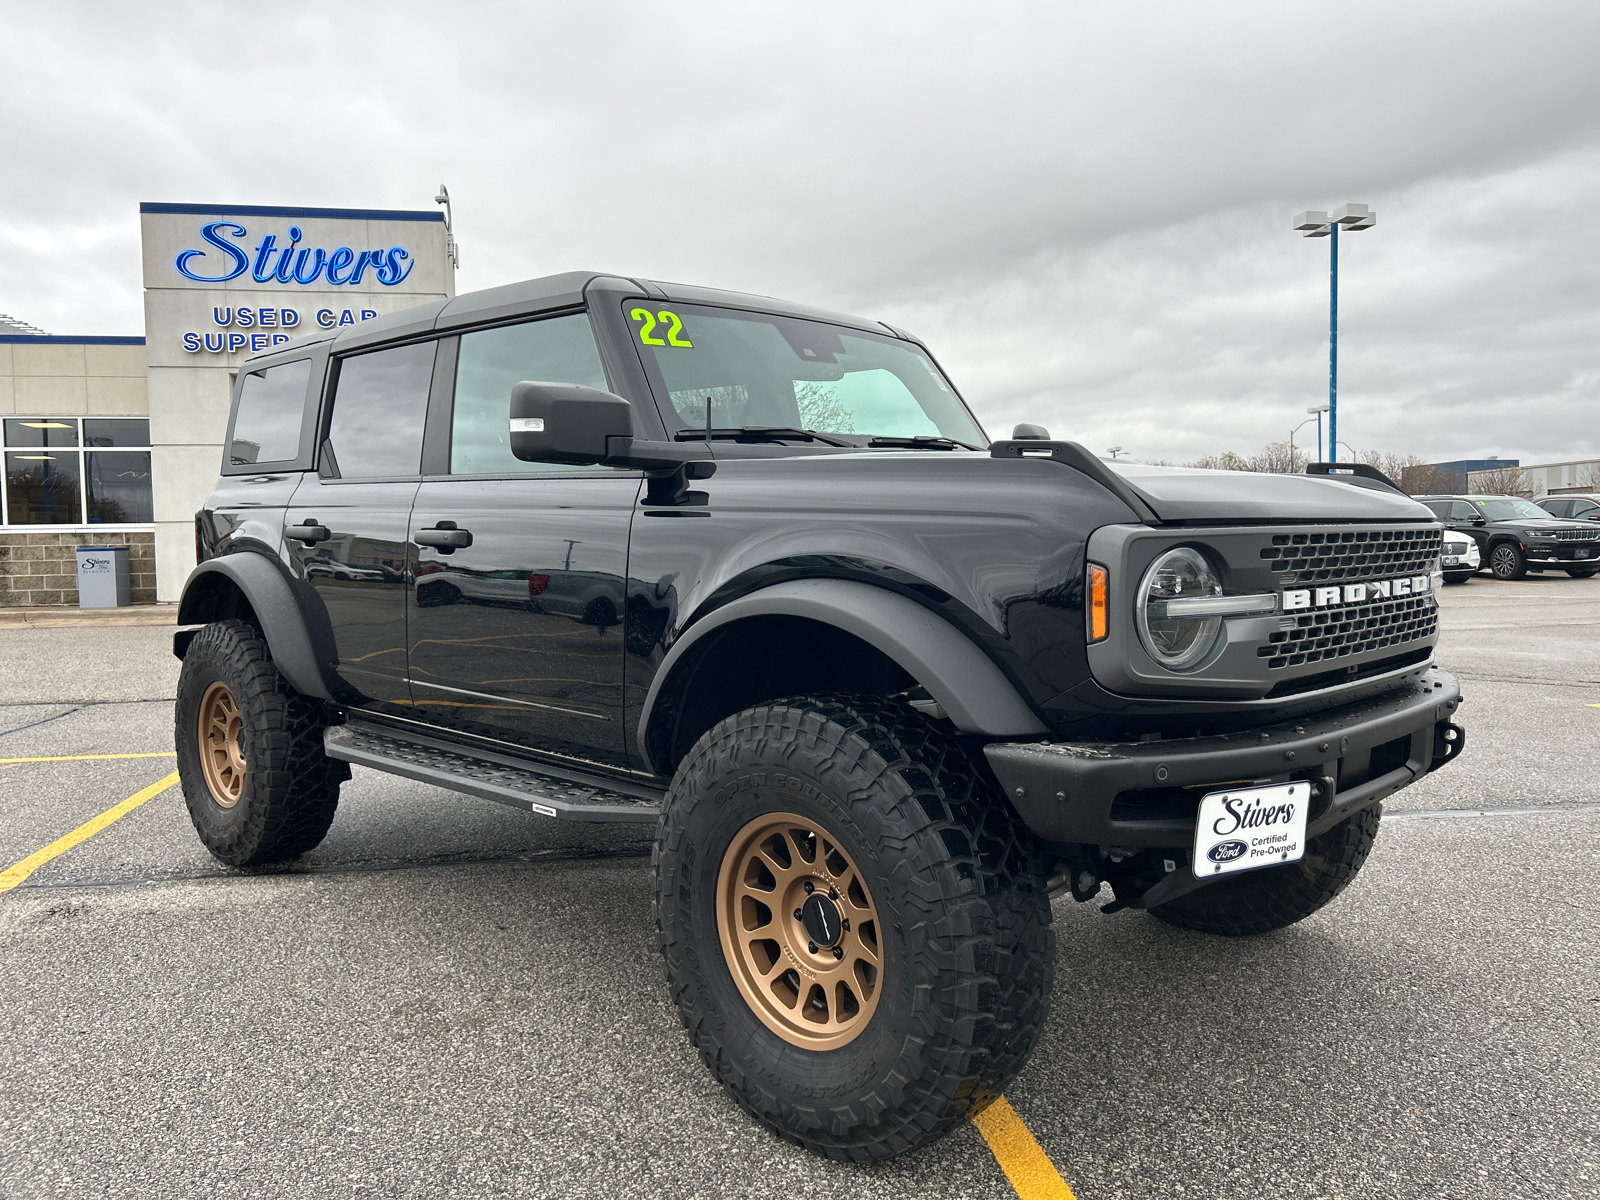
x: 532, y: 296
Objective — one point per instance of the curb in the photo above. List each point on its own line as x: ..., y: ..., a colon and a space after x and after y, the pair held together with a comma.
x: 45, y: 618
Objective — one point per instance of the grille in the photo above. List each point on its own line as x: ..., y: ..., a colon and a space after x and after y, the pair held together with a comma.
x: 1578, y: 535
x: 1354, y: 554
x: 1354, y: 629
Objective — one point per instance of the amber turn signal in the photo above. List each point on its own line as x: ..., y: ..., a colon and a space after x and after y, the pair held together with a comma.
x: 1099, y: 620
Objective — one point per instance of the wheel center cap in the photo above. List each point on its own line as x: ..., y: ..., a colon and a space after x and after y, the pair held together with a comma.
x: 821, y: 918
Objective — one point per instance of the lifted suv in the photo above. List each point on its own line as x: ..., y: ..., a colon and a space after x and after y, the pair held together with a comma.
x: 614, y: 550
x: 1516, y: 536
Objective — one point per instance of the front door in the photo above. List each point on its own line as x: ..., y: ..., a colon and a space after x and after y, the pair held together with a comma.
x: 515, y: 622
x: 346, y: 526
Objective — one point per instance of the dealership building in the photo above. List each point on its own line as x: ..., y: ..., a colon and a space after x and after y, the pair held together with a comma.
x: 116, y: 441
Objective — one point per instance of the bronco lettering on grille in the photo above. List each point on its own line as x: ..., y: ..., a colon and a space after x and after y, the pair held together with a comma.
x: 1355, y: 593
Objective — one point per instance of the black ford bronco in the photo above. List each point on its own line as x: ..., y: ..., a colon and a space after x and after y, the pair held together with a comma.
x: 615, y: 550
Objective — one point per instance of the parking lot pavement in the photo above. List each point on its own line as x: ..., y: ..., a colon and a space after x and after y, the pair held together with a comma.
x: 450, y: 998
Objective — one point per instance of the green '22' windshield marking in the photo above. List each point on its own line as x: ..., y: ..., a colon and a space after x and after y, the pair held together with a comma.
x: 647, y: 327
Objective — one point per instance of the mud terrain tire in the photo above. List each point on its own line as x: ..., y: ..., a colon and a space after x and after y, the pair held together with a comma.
x: 967, y: 949
x: 286, y: 794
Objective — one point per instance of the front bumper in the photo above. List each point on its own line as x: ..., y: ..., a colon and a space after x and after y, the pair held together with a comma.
x: 1539, y: 557
x: 1146, y: 794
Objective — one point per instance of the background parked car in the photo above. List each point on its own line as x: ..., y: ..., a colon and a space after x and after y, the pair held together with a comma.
x: 1582, y: 507
x: 1460, y: 558
x: 1516, y: 536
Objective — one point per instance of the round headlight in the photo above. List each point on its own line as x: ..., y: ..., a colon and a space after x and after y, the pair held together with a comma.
x: 1177, y: 641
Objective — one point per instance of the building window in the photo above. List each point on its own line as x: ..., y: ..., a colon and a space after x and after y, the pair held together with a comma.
x: 76, y: 471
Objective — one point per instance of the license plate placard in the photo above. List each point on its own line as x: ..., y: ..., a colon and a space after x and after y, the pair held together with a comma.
x: 1242, y: 829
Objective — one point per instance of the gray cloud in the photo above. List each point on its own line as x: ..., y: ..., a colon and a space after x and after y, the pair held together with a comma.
x: 1084, y: 208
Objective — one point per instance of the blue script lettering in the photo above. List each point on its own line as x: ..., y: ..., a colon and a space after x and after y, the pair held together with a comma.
x: 236, y: 257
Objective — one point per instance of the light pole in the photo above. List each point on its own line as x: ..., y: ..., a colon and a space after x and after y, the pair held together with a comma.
x: 1297, y: 429
x: 452, y: 251
x: 1318, y: 409
x: 1114, y: 451
x: 1317, y: 224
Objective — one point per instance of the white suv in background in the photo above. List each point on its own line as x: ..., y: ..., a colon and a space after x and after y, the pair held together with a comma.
x: 1459, y: 557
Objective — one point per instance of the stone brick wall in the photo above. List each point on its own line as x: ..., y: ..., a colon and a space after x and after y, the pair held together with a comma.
x: 41, y: 568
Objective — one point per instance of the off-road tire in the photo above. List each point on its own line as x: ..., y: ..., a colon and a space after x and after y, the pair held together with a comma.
x: 1255, y: 902
x: 291, y: 788
x: 1583, y: 572
x: 1507, y: 562
x: 969, y: 955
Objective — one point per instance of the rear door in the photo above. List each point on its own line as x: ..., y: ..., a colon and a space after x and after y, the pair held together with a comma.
x: 516, y: 629
x: 346, y: 526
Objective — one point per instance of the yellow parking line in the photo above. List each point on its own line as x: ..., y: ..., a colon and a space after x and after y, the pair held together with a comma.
x: 87, y: 757
x: 14, y: 875
x: 1033, y: 1176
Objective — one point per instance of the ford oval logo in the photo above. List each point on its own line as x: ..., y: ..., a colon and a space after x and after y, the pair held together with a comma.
x: 1226, y: 852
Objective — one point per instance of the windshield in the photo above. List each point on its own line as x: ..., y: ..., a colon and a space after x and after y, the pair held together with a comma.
x: 1511, y: 510
x: 754, y: 369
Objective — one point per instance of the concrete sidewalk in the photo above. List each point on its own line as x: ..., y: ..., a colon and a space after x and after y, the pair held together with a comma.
x: 133, y: 614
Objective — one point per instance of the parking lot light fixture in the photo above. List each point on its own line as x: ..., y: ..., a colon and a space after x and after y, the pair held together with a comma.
x: 1318, y: 409
x: 1314, y: 223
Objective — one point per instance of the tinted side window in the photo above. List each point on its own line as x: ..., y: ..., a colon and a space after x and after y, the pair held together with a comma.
x: 492, y: 361
x: 1460, y: 510
x: 379, y: 403
x: 1585, y: 508
x: 1438, y: 509
x: 267, y: 426
x: 1556, y: 508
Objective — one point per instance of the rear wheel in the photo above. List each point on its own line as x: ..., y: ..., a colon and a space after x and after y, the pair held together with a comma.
x: 855, y: 928
x: 255, y: 779
x: 1506, y: 561
x: 1275, y: 897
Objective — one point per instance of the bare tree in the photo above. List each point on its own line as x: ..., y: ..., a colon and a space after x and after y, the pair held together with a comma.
x: 1588, y: 476
x: 1226, y: 461
x: 1279, y: 458
x: 1501, y: 481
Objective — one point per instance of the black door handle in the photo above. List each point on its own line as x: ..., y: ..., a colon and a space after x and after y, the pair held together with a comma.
x: 309, y: 532
x: 445, y: 536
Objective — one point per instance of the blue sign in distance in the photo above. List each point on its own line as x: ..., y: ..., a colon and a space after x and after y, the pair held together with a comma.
x: 269, y: 262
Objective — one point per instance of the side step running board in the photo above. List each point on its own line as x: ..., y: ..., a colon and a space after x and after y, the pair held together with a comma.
x: 521, y: 787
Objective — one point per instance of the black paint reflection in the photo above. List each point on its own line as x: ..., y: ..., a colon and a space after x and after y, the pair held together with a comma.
x: 519, y: 635
x: 359, y: 571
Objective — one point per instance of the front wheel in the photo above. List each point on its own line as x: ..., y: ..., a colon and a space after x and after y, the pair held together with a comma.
x: 1507, y: 562
x: 1583, y: 572
x: 1254, y: 902
x: 855, y: 928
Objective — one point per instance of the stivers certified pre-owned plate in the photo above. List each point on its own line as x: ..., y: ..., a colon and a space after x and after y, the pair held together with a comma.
x: 1245, y: 828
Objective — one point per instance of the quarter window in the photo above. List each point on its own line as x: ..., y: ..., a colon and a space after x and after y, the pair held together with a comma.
x: 380, y: 401
x: 272, y: 403
x: 490, y: 363
x: 76, y: 471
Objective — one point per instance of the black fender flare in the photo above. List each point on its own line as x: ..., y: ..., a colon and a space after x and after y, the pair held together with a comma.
x: 272, y: 598
x: 974, y: 693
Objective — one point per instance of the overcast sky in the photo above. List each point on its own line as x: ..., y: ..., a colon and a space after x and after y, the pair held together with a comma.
x: 1085, y: 209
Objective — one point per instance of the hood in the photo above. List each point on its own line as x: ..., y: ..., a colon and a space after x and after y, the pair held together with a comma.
x: 1192, y: 496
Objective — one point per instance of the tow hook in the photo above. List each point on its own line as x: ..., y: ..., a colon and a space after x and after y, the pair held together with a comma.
x: 1449, y: 739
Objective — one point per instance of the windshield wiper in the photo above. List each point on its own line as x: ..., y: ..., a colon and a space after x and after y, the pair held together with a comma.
x: 757, y: 433
x: 922, y: 441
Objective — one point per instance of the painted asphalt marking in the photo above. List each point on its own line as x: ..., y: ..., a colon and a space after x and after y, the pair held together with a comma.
x: 96, y: 757
x: 1033, y: 1176
x: 14, y: 875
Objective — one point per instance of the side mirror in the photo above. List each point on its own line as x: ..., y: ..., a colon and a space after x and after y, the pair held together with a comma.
x: 566, y: 422
x: 1480, y: 520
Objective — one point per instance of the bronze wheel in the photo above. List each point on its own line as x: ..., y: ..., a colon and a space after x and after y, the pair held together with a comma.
x: 799, y: 931
x: 221, y: 756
